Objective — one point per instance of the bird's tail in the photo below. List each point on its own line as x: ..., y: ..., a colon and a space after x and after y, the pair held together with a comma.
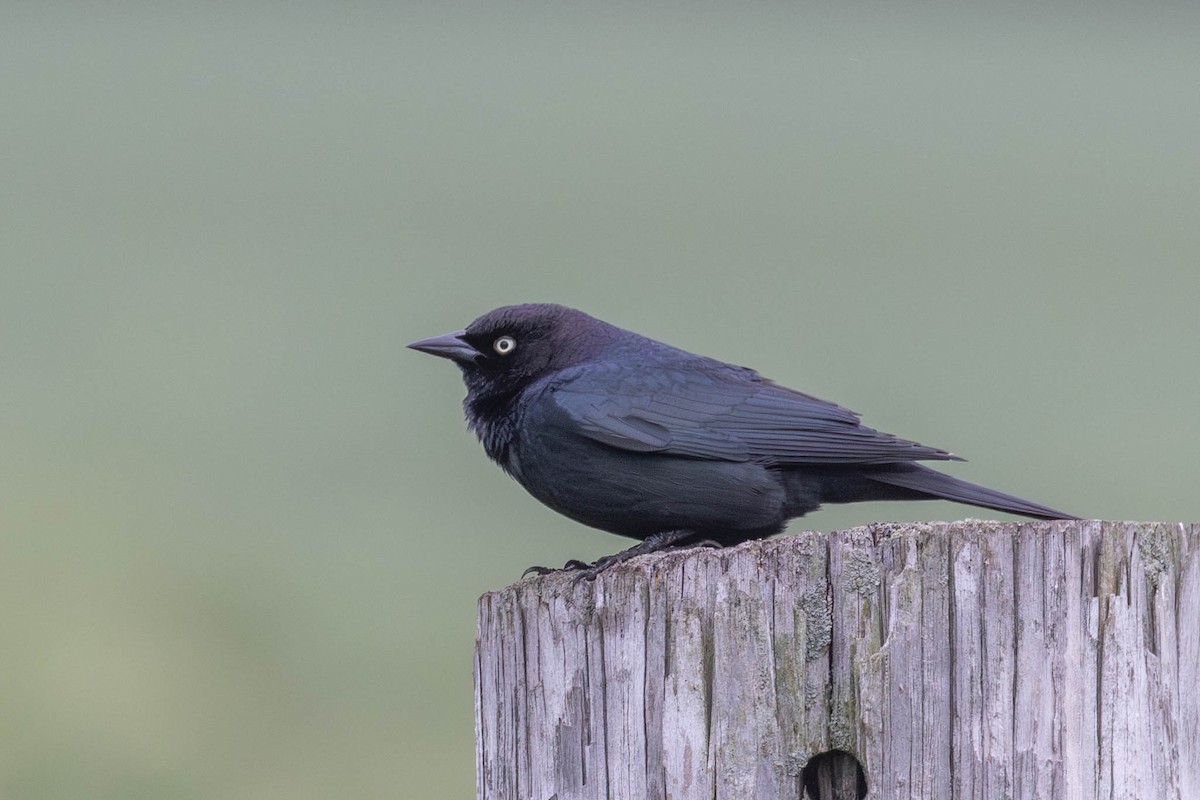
x: 938, y: 485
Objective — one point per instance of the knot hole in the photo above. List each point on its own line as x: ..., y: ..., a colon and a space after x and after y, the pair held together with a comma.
x: 834, y: 775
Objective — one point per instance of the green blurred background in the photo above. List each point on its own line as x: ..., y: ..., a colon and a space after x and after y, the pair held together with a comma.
x: 244, y: 529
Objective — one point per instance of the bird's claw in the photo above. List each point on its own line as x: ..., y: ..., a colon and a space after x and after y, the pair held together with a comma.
x: 583, y: 571
x: 588, y: 572
x: 663, y: 540
x: 572, y: 565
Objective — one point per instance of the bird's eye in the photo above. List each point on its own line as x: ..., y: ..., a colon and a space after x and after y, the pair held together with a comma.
x: 504, y: 345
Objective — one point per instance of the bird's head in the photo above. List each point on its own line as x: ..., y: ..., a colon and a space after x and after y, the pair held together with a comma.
x: 508, y: 348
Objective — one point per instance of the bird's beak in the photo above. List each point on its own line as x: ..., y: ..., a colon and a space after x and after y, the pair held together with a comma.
x: 451, y: 345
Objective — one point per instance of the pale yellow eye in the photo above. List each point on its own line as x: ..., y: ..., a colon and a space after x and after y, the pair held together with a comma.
x: 504, y: 345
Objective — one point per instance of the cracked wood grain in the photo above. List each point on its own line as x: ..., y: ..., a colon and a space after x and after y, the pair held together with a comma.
x: 962, y: 660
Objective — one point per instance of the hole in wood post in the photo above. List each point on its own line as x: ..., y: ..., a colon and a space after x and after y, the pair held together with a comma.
x: 834, y: 775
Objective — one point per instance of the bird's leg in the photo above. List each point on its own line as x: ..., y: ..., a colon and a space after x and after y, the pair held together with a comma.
x: 657, y: 542
x: 663, y: 540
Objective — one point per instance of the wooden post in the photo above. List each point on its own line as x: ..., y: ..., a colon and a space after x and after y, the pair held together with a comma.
x: 962, y: 660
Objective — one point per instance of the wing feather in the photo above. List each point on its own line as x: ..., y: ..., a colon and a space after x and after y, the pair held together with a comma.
x: 713, y: 411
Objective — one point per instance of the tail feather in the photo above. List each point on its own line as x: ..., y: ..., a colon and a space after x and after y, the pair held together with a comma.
x: 941, y: 486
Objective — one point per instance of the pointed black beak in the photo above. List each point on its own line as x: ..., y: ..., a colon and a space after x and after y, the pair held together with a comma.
x: 451, y: 345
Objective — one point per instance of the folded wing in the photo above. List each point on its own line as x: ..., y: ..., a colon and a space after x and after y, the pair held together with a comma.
x: 723, y: 413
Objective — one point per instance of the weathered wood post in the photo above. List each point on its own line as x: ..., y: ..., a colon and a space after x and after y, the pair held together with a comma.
x: 963, y: 660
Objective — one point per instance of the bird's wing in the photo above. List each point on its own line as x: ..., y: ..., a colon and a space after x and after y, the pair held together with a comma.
x: 723, y: 413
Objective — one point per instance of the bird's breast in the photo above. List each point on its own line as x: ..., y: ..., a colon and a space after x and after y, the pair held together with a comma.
x: 495, y: 421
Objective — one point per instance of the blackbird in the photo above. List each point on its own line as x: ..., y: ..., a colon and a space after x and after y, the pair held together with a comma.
x: 633, y: 436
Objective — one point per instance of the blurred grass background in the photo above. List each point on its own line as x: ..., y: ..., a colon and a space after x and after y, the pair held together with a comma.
x: 244, y: 529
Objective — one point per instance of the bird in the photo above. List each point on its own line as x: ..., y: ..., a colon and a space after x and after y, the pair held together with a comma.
x: 630, y: 435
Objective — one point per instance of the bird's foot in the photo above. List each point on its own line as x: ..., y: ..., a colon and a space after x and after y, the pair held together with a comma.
x: 663, y: 540
x: 570, y: 566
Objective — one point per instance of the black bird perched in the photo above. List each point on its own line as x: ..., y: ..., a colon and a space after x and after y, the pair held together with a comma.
x: 633, y: 436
